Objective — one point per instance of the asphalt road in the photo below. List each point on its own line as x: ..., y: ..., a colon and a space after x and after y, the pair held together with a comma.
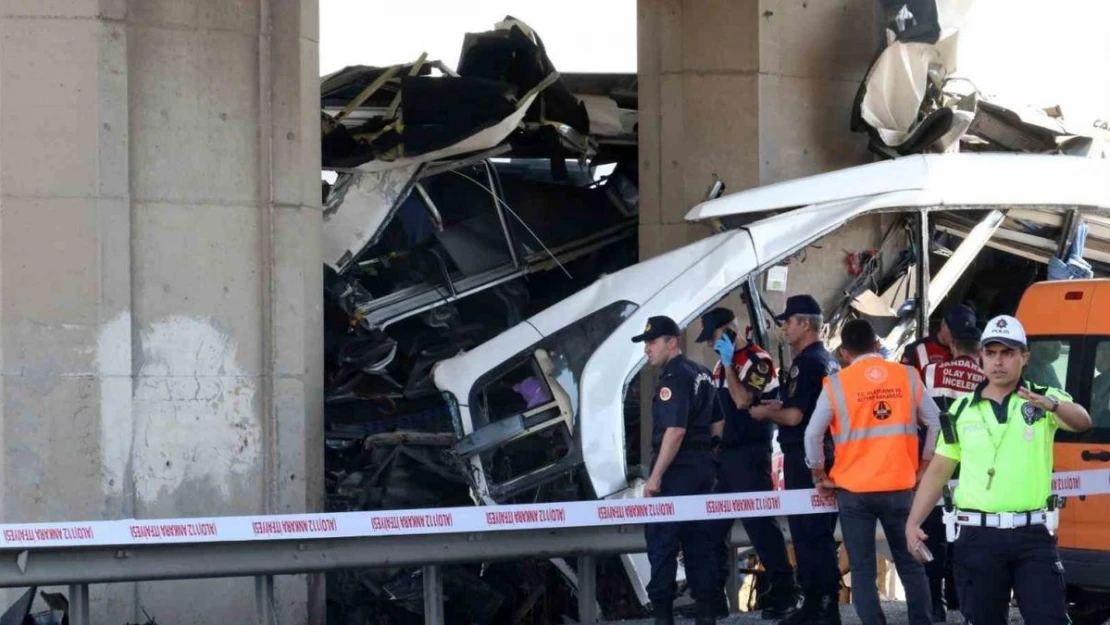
x: 895, y: 614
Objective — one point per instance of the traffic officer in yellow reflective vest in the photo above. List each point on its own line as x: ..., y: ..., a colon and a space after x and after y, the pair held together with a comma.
x: 872, y: 408
x: 684, y: 412
x: 1005, y: 514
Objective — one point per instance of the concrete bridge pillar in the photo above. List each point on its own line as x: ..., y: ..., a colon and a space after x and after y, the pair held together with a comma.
x: 160, y: 274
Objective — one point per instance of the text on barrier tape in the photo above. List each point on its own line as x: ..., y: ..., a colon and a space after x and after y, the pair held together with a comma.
x: 455, y: 520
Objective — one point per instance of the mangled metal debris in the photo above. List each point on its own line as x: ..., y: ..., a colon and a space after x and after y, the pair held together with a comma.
x: 459, y: 202
x: 913, y: 100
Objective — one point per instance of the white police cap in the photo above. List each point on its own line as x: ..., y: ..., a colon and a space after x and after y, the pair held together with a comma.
x: 1006, y: 330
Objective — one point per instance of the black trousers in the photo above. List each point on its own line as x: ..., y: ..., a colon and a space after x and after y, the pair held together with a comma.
x: 691, y: 473
x: 812, y: 534
x: 747, y: 469
x: 990, y: 562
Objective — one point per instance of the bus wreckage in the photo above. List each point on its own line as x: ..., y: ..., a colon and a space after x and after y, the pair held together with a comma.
x: 548, y: 409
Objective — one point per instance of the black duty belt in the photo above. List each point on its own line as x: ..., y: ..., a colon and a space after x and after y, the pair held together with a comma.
x: 688, y: 446
x: 745, y: 444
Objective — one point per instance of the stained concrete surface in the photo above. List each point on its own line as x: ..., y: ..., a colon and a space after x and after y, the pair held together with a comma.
x: 161, y: 336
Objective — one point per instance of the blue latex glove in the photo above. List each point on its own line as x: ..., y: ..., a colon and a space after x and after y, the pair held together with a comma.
x: 725, y: 349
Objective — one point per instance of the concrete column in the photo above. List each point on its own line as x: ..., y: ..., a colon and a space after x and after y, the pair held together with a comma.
x: 160, y: 281
x: 754, y: 91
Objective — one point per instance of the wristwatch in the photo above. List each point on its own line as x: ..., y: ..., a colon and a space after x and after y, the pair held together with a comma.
x: 1055, y: 403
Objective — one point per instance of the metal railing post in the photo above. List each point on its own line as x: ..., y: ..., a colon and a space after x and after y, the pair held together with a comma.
x: 79, y: 604
x: 733, y: 578
x: 433, y: 595
x: 587, y: 590
x: 264, y: 600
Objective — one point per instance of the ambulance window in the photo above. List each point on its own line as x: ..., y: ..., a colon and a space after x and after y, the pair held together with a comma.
x: 1048, y: 362
x: 1100, y: 391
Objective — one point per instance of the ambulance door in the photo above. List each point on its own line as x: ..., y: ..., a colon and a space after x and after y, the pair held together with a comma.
x: 1057, y: 361
x: 1091, y: 449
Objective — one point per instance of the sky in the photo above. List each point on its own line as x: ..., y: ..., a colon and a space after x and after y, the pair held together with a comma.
x: 1037, y: 52
x: 579, y: 35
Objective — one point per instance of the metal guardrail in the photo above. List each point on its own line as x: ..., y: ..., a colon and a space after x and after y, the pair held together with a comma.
x: 266, y: 546
x: 78, y: 567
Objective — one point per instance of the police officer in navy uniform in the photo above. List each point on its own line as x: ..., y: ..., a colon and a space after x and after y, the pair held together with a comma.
x: 812, y: 534
x: 744, y: 377
x: 684, y: 409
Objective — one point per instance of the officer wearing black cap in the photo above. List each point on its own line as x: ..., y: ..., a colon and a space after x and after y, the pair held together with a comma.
x: 683, y: 413
x: 744, y: 377
x: 946, y: 382
x: 934, y: 349
x: 812, y: 534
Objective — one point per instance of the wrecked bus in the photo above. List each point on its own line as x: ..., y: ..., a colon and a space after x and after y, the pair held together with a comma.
x: 572, y: 364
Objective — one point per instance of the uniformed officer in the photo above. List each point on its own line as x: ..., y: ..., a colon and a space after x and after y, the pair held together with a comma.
x: 933, y: 349
x: 683, y: 411
x: 872, y: 408
x: 1002, y: 436
x: 744, y: 453
x: 812, y: 534
x: 946, y: 382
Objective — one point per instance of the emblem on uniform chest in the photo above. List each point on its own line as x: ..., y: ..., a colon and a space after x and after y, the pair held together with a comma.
x: 1031, y: 413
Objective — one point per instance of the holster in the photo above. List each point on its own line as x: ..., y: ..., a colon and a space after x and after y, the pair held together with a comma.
x: 1052, y: 513
x: 951, y: 530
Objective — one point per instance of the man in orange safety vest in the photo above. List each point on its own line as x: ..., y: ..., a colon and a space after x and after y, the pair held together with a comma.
x: 872, y: 408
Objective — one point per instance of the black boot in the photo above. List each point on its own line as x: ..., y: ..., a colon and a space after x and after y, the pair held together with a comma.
x: 705, y: 613
x: 780, y: 598
x: 826, y: 611
x: 663, y: 614
x: 720, y: 606
x: 801, y: 614
x: 940, y: 614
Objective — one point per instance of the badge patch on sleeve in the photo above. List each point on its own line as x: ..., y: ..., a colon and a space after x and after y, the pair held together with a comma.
x: 665, y: 393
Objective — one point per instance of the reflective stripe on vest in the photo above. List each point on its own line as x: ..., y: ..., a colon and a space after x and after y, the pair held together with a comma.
x: 872, y: 455
x: 847, y: 434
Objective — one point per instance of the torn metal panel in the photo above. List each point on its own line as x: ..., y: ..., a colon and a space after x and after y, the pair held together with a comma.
x: 357, y: 208
x: 1015, y: 129
x: 483, y: 139
x: 913, y: 101
x: 376, y: 119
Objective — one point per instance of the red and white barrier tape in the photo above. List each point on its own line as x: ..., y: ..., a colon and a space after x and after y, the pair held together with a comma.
x: 455, y: 520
